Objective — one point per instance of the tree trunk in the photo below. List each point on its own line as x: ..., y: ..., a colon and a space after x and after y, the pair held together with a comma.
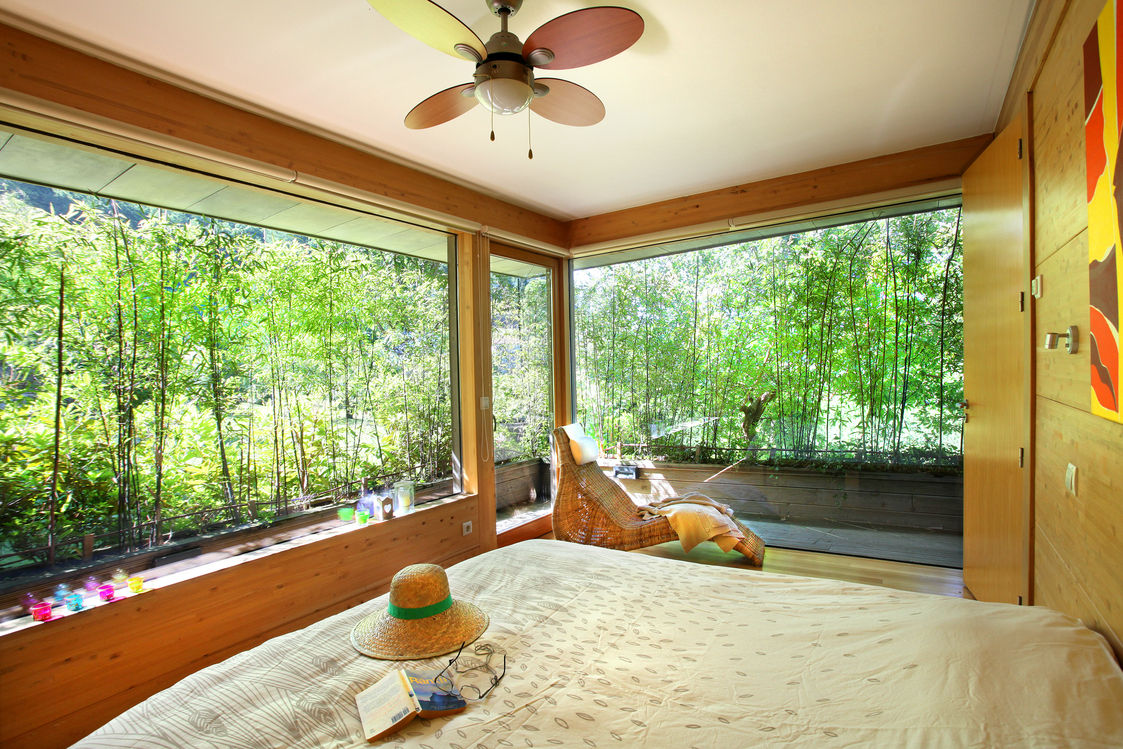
x: 52, y: 521
x: 943, y: 318
x: 215, y: 374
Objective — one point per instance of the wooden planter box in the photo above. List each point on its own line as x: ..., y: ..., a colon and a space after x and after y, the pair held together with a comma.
x: 867, y: 498
x: 513, y: 482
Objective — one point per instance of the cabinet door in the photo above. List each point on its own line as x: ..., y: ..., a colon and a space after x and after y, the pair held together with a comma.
x: 996, y: 524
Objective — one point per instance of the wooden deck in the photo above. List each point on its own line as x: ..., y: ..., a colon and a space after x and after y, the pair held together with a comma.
x: 918, y: 578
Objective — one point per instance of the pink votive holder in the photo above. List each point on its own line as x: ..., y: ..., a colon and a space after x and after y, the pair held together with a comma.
x: 41, y: 612
x: 136, y: 584
x: 105, y: 592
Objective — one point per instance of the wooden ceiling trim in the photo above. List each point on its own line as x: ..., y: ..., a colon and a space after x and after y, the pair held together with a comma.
x: 35, y: 67
x: 909, y: 168
x: 1040, y: 34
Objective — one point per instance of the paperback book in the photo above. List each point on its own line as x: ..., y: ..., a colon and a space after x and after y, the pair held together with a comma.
x: 399, y: 697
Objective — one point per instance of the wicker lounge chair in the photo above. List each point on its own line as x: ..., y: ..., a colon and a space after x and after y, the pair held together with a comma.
x: 590, y: 508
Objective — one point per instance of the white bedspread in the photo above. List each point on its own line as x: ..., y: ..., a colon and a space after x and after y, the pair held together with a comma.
x: 604, y: 651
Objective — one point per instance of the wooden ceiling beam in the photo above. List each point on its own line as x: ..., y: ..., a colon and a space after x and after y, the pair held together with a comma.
x: 883, y: 173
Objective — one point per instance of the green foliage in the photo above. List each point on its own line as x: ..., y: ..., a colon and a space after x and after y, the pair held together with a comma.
x: 855, y: 330
x: 522, y: 374
x: 212, y: 373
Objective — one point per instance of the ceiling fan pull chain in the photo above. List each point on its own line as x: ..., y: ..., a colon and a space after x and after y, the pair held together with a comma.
x: 529, y: 142
x: 492, y: 110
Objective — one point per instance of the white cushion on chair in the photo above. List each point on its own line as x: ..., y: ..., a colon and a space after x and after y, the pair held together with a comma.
x: 585, y: 448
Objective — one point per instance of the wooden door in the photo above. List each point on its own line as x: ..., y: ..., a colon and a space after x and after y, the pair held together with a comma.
x: 996, y: 525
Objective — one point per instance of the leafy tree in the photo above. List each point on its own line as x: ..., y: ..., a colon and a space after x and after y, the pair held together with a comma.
x: 854, y: 333
x: 207, y: 374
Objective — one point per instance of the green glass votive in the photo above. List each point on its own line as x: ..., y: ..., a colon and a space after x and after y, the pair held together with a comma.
x: 346, y: 514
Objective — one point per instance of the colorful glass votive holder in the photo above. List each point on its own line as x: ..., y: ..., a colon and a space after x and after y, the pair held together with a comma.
x: 362, y: 517
x: 105, y: 592
x: 136, y: 584
x: 91, y: 584
x: 62, y: 590
x: 27, y: 600
x: 74, y: 602
x: 41, y: 612
x: 120, y: 577
x: 346, y: 514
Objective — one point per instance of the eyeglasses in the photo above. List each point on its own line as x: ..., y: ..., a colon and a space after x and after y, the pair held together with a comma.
x: 466, y: 665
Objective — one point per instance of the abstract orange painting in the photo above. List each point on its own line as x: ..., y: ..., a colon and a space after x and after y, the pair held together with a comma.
x: 1103, y: 123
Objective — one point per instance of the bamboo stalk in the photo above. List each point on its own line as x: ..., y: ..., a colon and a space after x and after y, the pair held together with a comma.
x: 52, y: 526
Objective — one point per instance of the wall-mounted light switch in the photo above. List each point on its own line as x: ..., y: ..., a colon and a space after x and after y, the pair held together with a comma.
x: 466, y: 527
x: 1070, y: 479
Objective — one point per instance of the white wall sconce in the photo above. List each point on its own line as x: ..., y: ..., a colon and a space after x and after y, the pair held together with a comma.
x: 1072, y: 340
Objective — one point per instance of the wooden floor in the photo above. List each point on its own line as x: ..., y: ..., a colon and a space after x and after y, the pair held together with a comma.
x: 898, y: 544
x: 918, y: 578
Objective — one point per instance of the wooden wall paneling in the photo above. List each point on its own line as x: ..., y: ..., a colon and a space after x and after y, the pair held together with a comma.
x: 78, y: 672
x: 1077, y: 538
x: 916, y: 167
x: 473, y: 279
x: 1060, y: 199
x: 1038, y: 40
x: 1061, y: 376
x: 1081, y: 535
x: 1054, y: 583
x: 35, y: 67
x: 996, y: 534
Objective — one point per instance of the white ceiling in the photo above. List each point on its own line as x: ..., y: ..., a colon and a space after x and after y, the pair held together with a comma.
x: 714, y: 94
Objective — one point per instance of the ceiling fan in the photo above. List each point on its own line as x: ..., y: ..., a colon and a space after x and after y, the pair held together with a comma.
x: 504, y: 81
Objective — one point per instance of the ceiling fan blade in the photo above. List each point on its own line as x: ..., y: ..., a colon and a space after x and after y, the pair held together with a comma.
x: 441, y: 107
x: 568, y: 104
x: 586, y: 36
x: 430, y: 23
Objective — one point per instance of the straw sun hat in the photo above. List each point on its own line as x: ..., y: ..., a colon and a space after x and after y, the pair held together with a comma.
x: 421, y: 621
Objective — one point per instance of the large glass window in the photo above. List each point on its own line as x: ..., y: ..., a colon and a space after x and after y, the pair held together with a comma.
x: 522, y: 340
x: 835, y: 345
x: 165, y: 374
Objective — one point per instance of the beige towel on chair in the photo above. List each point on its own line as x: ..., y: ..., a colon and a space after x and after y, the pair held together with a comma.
x: 695, y: 519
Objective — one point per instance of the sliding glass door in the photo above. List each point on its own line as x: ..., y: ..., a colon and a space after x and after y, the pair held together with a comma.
x: 522, y: 345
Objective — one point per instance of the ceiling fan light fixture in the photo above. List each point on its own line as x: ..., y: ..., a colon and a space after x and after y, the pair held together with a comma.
x: 504, y: 95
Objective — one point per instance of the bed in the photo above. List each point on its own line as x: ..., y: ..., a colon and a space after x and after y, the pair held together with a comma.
x: 609, y: 648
